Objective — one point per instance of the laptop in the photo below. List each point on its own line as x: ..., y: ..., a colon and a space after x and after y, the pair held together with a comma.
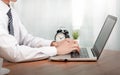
x: 91, y: 54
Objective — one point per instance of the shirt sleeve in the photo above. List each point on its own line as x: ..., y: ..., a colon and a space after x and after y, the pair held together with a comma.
x: 12, y: 51
x: 25, y: 53
x: 29, y: 40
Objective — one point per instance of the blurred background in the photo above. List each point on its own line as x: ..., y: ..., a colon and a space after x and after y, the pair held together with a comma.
x: 43, y: 17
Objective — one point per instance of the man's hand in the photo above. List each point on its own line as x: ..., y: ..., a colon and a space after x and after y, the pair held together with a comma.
x: 66, y: 46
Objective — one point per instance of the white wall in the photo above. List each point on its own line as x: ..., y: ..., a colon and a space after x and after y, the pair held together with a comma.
x: 43, y: 17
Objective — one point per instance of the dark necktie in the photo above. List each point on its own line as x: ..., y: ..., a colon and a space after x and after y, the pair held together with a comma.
x: 10, y: 23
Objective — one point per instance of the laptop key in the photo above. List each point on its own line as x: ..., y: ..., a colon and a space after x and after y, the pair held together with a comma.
x: 84, y: 53
x: 75, y: 54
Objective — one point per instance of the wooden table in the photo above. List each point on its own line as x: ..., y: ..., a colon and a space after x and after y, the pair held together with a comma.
x: 108, y: 64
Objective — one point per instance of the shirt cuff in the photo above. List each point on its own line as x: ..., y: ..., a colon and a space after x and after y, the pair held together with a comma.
x: 48, y: 42
x: 50, y: 51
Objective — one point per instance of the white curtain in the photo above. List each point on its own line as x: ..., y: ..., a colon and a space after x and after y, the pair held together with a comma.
x: 86, y: 15
x: 89, y: 16
x: 43, y: 17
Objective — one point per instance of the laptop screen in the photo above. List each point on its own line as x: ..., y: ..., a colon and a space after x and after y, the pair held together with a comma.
x: 104, y: 34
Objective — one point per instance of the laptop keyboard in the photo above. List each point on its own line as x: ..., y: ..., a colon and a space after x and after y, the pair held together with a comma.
x: 83, y: 53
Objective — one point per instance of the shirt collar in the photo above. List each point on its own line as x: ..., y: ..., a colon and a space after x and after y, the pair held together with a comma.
x: 4, y: 7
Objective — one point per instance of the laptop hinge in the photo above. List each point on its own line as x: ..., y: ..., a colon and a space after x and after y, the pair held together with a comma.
x: 93, y: 52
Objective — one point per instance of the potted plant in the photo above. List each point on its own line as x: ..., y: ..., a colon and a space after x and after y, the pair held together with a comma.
x: 75, y: 34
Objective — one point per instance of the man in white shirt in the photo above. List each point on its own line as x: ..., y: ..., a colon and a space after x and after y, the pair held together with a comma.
x: 17, y: 45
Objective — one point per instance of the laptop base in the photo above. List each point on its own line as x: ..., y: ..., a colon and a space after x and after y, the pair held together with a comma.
x: 68, y: 58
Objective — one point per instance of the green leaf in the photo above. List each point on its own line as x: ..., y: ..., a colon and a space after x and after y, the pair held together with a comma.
x: 75, y: 34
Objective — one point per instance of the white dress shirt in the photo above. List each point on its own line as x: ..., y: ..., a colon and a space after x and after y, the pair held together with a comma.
x: 22, y: 46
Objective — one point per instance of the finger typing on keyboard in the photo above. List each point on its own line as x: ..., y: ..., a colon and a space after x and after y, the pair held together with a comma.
x: 75, y: 54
